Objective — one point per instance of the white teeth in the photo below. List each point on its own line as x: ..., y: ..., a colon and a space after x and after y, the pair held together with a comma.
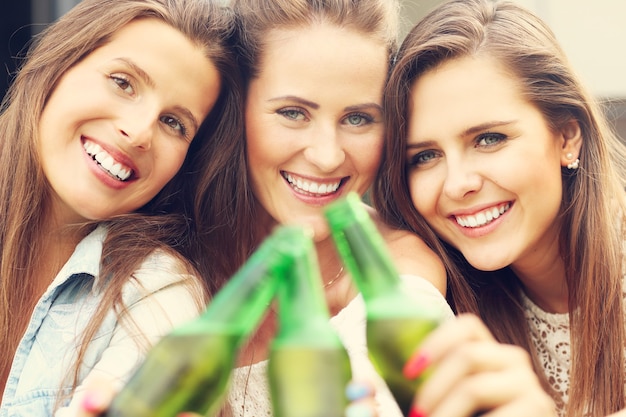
x: 106, y: 161
x: 310, y: 187
x: 482, y: 218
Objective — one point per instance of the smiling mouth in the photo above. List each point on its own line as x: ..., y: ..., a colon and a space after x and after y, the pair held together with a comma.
x: 311, y: 188
x: 482, y: 218
x: 106, y: 162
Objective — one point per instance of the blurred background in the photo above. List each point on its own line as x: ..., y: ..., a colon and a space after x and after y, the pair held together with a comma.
x: 593, y: 34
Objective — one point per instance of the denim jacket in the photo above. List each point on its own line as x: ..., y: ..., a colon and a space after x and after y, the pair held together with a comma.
x: 158, y: 301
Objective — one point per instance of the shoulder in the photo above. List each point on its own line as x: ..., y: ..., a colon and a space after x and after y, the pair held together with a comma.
x: 411, y: 254
x: 164, y: 273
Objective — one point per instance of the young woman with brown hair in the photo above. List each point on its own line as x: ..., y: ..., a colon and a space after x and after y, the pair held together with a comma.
x: 502, y: 161
x: 109, y: 115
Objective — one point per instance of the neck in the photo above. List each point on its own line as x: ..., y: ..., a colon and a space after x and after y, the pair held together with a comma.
x: 546, y: 287
x: 338, y: 287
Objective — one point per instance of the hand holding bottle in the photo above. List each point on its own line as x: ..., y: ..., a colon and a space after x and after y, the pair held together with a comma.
x: 470, y: 372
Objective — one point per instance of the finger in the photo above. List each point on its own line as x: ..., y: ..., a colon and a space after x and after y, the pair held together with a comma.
x: 357, y: 390
x: 361, y: 395
x: 536, y: 405
x: 98, y: 392
x: 446, y: 338
x: 365, y: 407
x: 487, y: 390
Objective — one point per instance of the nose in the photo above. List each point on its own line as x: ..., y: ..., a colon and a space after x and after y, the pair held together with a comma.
x: 138, y: 127
x: 324, y: 149
x: 462, y: 179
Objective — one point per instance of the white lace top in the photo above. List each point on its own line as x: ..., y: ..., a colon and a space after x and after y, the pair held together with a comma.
x: 249, y: 395
x: 550, y: 334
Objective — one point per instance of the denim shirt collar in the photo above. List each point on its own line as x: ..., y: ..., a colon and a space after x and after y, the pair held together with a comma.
x: 84, y: 260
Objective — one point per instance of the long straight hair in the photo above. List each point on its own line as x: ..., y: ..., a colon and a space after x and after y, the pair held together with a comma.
x: 592, y: 208
x: 24, y: 191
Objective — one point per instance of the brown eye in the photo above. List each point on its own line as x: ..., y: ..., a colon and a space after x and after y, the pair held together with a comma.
x: 123, y: 84
x: 174, y: 124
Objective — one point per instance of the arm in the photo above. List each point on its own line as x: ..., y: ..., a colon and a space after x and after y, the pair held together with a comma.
x: 162, y: 297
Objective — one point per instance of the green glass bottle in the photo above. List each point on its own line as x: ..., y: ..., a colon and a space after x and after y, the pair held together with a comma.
x: 190, y: 368
x: 308, y: 366
x: 396, y: 323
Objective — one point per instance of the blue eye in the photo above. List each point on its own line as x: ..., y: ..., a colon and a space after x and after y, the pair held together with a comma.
x: 358, y: 119
x: 292, y: 114
x: 422, y: 158
x: 490, y: 139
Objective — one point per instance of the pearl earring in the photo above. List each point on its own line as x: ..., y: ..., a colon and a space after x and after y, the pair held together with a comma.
x: 574, y: 165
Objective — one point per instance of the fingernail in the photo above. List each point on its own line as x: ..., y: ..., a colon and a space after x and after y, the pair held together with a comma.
x: 415, y: 366
x: 356, y: 391
x: 359, y: 410
x: 92, y: 402
x: 416, y: 413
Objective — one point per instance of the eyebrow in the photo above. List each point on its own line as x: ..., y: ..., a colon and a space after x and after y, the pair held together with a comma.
x: 150, y: 82
x: 363, y: 106
x: 140, y: 72
x: 316, y: 106
x: 297, y: 100
x: 467, y: 132
x: 486, y: 126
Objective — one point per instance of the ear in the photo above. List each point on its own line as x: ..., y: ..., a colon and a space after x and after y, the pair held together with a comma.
x: 571, y: 142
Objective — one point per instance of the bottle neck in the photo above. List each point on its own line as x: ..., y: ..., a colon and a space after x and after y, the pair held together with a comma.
x: 302, y: 309
x: 239, y: 306
x: 368, y: 261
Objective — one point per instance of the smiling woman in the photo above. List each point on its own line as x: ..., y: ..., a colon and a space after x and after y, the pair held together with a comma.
x: 499, y: 157
x: 112, y: 110
x: 315, y: 72
x: 148, y: 87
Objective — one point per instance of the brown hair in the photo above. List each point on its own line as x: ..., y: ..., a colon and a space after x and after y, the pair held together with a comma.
x: 226, y: 205
x: 592, y: 195
x: 24, y: 191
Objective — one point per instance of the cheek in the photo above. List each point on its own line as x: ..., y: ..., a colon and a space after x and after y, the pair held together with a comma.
x: 367, y: 155
x: 423, y: 193
x: 259, y: 149
x: 171, y: 161
x: 259, y: 156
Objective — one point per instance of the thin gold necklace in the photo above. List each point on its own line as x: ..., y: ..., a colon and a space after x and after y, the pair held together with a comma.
x: 332, y: 281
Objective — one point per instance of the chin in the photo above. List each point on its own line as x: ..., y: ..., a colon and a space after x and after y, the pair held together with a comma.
x: 486, y: 265
x: 315, y: 224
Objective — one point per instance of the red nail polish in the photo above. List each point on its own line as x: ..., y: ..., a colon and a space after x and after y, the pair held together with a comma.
x: 415, y: 366
x: 92, y: 402
x: 416, y: 413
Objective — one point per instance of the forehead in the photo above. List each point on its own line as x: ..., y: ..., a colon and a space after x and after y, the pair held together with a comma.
x: 464, y: 90
x: 323, y: 41
x: 323, y: 54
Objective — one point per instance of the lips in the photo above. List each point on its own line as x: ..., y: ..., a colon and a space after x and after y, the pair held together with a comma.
x: 483, y: 217
x: 106, y: 161
x: 309, y: 187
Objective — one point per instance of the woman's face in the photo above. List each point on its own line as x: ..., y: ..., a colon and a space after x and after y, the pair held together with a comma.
x: 314, y: 121
x: 484, y: 166
x: 119, y: 123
